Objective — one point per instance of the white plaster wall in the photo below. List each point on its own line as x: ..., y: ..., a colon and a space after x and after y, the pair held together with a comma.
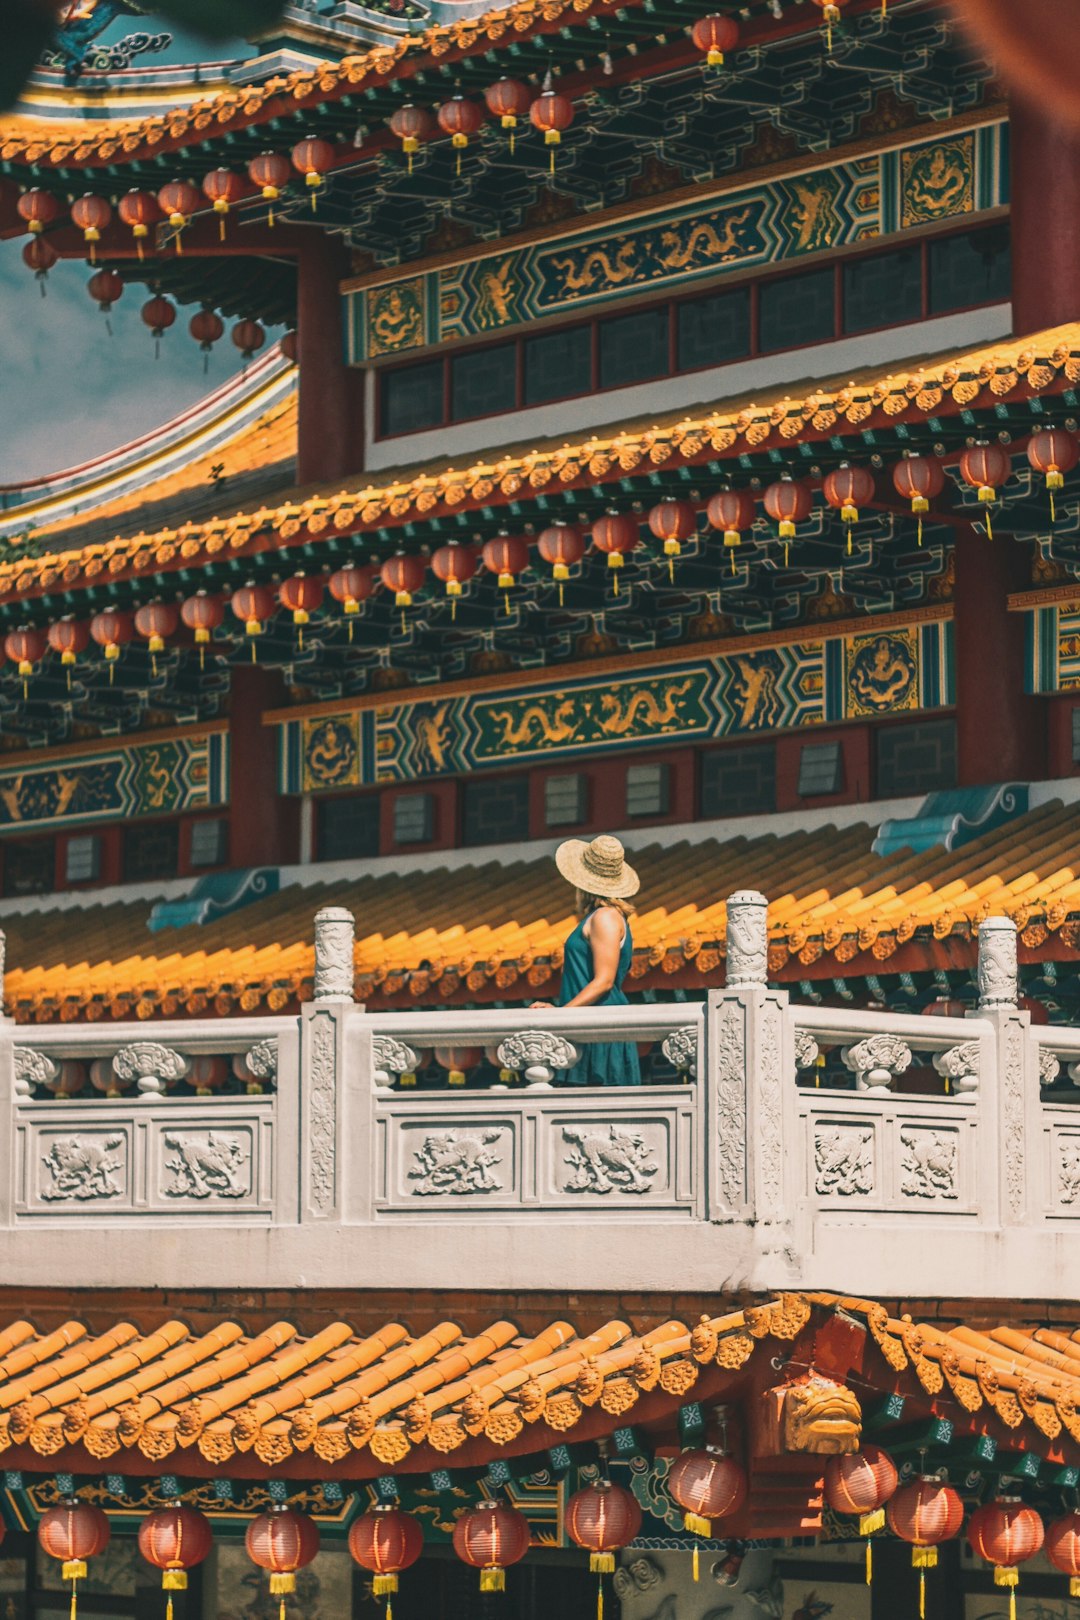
x: 702, y: 388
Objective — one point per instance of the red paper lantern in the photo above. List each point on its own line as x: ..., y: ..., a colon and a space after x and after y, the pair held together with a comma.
x: 207, y: 1075
x: 551, y: 113
x: 1063, y: 1548
x: 158, y: 314
x: 862, y: 1482
x: 1005, y: 1533
x: 313, y: 157
x: 509, y: 101
x: 302, y: 595
x: 69, y: 1079
x: 111, y: 629
x: 206, y: 327
x: 203, y: 614
x: 105, y: 287
x: 72, y: 1533
x: 289, y: 346
x: 602, y: 1518
x: 223, y: 188
x: 1053, y: 452
x: 155, y: 622
x: 25, y: 647
x: 404, y: 575
x: 845, y: 489
x: 91, y: 214
x: 459, y: 119
x: 984, y: 467
x: 412, y: 125
x: 271, y: 172
x: 457, y: 1061
x: 507, y: 556
x: 925, y: 1513
x: 38, y: 209
x: 455, y: 565
x: 732, y: 510
x: 385, y: 1540
x: 39, y: 256
x: 490, y: 1538
x: 787, y: 503
x: 174, y: 1539
x: 563, y: 546
x: 617, y: 533
x: 139, y: 210
x: 248, y: 336
x: 707, y: 1484
x: 920, y: 480
x: 104, y: 1078
x: 673, y: 522
x: 282, y: 1542
x: 178, y: 200
x: 714, y: 35
x: 253, y: 605
x: 352, y: 585
x: 68, y: 637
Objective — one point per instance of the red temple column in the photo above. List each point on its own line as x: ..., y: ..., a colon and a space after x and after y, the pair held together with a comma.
x: 264, y: 826
x: 330, y: 436
x: 1001, y: 730
x: 1045, y: 166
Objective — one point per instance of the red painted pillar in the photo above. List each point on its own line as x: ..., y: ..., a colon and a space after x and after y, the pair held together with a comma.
x: 1045, y: 167
x: 1001, y: 731
x: 330, y: 436
x: 264, y: 827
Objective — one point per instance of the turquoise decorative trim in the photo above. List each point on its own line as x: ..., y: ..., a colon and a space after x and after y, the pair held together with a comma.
x: 953, y: 818
x: 214, y: 896
x: 759, y: 689
x: 769, y: 223
x: 146, y: 778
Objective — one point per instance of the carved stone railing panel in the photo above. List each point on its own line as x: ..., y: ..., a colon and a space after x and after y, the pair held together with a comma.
x: 538, y: 1056
x: 876, y: 1061
x: 128, y: 1158
x: 151, y: 1066
x: 891, y: 1155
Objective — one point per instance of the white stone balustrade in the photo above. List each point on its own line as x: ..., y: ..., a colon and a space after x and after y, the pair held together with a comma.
x: 881, y: 1153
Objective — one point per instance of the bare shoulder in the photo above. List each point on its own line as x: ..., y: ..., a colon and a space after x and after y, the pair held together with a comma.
x: 606, y: 922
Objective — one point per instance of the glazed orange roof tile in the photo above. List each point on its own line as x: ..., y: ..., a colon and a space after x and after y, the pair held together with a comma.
x: 937, y: 385
x: 495, y: 931
x: 337, y: 1401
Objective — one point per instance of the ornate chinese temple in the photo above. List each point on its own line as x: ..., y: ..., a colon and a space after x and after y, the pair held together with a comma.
x: 674, y: 433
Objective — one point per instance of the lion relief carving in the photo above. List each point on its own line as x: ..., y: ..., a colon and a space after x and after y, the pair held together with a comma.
x: 820, y: 1416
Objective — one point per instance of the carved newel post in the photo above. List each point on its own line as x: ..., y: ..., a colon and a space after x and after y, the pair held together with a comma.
x: 998, y: 980
x: 747, y: 939
x: 335, y: 937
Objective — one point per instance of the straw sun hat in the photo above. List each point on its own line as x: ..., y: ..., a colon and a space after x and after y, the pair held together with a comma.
x: 597, y: 868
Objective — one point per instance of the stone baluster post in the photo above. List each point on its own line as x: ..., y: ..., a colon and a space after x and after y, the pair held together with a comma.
x: 1011, y: 1099
x: 334, y: 1121
x: 747, y: 1036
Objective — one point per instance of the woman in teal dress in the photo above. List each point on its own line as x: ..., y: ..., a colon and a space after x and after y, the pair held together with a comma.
x: 597, y: 955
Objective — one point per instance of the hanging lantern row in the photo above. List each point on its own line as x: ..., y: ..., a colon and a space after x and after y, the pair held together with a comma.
x: 509, y: 100
x: 602, y: 1518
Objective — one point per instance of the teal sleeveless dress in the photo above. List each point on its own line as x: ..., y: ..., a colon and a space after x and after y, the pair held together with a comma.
x: 603, y: 1063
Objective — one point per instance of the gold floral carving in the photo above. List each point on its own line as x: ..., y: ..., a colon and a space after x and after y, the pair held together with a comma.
x: 677, y: 1377
x: 447, y: 1434
x: 563, y: 1411
x: 389, y: 1445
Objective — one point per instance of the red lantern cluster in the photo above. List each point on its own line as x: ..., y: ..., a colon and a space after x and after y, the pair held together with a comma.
x: 492, y: 1537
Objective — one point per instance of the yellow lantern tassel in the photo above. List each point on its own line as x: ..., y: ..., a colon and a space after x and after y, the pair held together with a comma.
x: 671, y: 570
x: 787, y: 554
x: 1053, y: 511
x: 74, y: 1604
x: 600, y: 1598
x: 493, y: 1579
x: 733, y: 569
x: 169, y: 1608
x: 920, y: 529
x: 697, y: 1568
x: 254, y: 659
x: 989, y: 525
x: 869, y: 1562
x: 922, y: 1594
x: 561, y: 594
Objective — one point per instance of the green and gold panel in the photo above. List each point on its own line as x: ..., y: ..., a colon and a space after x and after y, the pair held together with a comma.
x: 835, y: 206
x: 151, y: 777
x: 1053, y: 647
x: 816, y: 681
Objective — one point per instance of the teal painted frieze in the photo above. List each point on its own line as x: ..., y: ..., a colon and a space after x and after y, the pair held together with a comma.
x: 151, y: 777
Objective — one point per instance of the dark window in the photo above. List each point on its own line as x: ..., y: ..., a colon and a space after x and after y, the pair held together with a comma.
x: 797, y: 311
x: 348, y: 828
x: 971, y: 269
x: 821, y: 770
x: 916, y: 759
x: 414, y: 818
x: 29, y: 868
x: 209, y: 842
x: 648, y: 790
x: 558, y: 365
x: 884, y: 290
x: 411, y: 398
x: 82, y: 859
x: 714, y: 330
x: 483, y: 382
x: 738, y: 781
x: 566, y: 799
x: 1076, y: 736
x: 151, y: 852
x: 495, y: 812
x: 634, y: 348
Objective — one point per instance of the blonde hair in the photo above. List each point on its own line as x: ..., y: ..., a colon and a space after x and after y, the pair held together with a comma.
x: 588, y: 903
